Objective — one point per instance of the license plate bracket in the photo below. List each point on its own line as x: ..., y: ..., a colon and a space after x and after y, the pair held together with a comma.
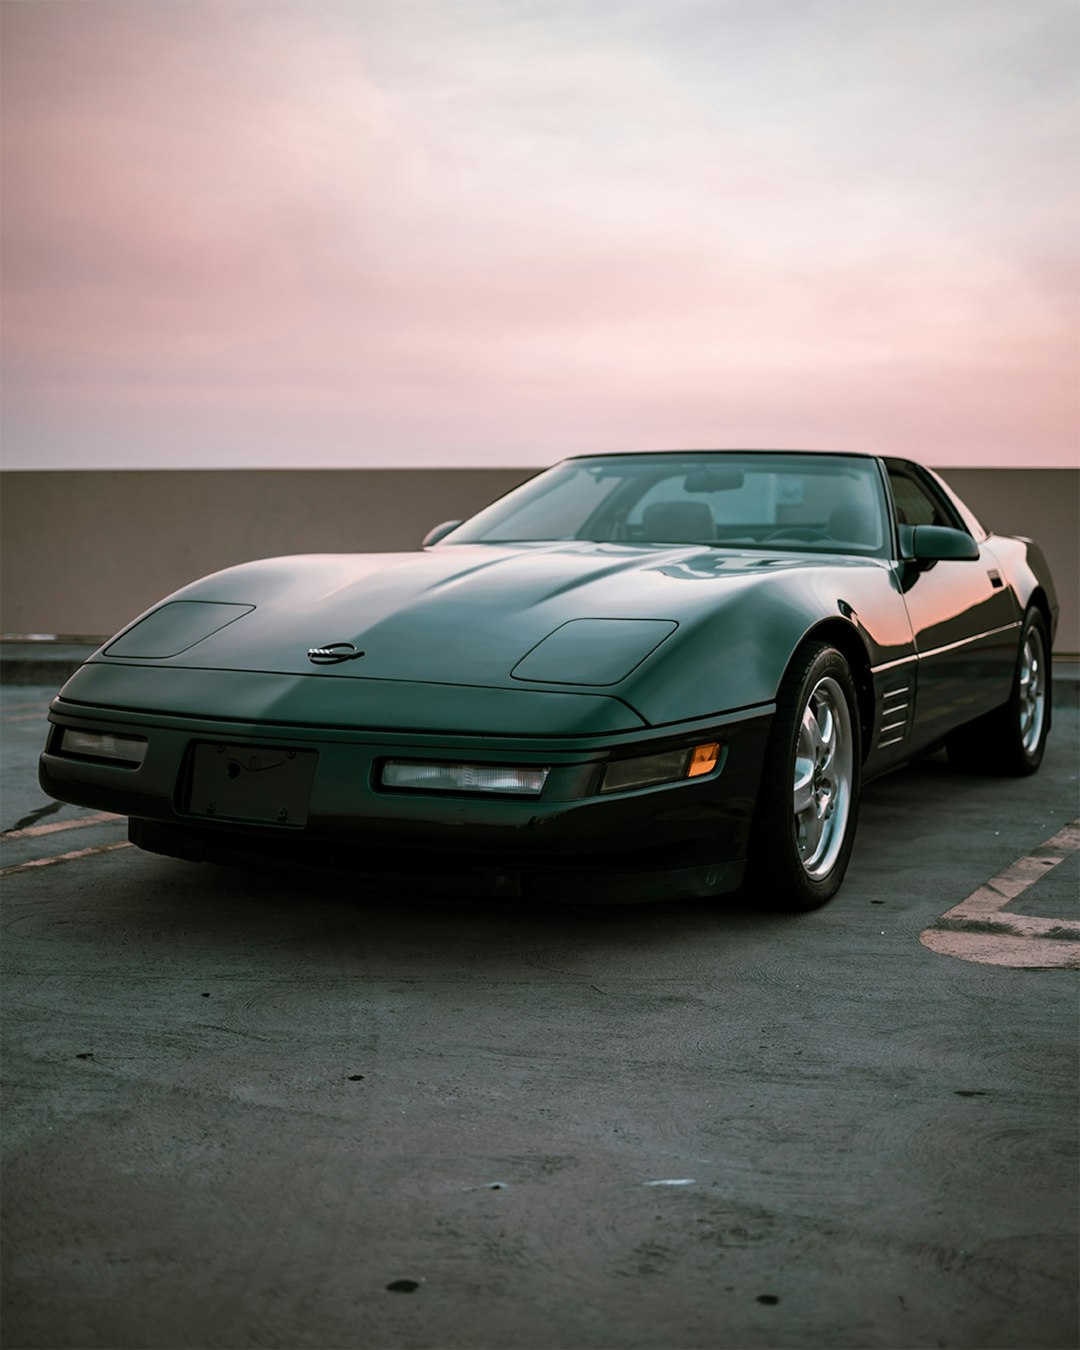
x: 252, y: 784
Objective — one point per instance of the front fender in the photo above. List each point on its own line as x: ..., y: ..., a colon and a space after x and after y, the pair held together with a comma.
x: 734, y: 655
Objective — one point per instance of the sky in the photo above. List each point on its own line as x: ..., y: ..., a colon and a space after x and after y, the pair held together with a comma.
x: 393, y: 233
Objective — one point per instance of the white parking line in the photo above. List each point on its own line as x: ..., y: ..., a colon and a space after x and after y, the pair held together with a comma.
x: 63, y: 857
x: 32, y: 831
x: 979, y: 929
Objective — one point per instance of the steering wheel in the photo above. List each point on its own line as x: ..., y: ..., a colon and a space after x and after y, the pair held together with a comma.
x: 806, y: 532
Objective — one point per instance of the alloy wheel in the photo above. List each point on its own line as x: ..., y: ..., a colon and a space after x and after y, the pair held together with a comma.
x: 821, y: 795
x: 1032, y: 689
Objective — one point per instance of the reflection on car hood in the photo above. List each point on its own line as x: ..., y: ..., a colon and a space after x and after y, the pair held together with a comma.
x: 460, y: 614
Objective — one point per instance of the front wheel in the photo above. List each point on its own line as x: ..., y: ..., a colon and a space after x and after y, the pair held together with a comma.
x: 808, y: 801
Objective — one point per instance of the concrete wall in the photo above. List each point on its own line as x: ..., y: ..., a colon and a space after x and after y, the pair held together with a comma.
x: 85, y: 551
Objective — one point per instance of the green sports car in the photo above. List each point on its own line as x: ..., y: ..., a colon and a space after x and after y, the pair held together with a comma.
x: 634, y: 676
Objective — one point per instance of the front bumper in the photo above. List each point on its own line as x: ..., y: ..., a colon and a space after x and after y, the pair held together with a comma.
x: 680, y: 839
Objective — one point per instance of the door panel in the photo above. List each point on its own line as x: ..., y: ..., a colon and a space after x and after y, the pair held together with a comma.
x: 964, y: 619
x: 966, y: 631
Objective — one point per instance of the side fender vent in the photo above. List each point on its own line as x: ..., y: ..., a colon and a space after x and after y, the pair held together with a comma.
x: 894, y: 719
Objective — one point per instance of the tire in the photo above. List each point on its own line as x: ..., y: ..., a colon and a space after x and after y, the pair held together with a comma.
x: 1012, y: 739
x: 808, y: 799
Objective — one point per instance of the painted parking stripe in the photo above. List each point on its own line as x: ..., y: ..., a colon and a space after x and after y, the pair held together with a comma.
x: 63, y: 858
x: 32, y: 831
x: 27, y: 717
x: 979, y: 928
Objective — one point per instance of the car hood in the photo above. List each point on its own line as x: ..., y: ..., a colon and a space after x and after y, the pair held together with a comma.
x: 577, y: 616
x: 455, y: 614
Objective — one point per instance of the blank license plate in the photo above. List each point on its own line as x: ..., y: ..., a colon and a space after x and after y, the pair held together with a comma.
x: 252, y: 783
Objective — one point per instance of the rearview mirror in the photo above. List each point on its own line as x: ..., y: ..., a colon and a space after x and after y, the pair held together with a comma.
x: 715, y: 478
x: 939, y: 543
x: 439, y: 532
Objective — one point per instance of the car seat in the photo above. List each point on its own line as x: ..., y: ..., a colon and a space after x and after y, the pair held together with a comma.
x: 678, y: 523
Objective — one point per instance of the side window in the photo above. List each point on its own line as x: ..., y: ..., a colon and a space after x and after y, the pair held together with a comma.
x: 914, y: 504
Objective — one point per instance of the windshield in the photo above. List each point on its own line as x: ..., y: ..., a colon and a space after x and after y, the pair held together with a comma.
x: 730, y: 499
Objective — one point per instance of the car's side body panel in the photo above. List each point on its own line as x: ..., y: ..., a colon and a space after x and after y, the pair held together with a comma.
x: 965, y: 621
x: 966, y: 615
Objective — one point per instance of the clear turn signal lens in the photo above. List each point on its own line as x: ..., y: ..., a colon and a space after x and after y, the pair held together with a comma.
x: 622, y: 775
x: 498, y: 778
x: 103, y: 745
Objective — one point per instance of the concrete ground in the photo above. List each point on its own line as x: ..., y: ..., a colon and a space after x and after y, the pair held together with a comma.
x: 241, y: 1112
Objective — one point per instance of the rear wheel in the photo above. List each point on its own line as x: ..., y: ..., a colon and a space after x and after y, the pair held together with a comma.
x: 1012, y: 739
x: 808, y: 801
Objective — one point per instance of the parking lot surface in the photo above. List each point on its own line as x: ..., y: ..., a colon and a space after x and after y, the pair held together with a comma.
x: 243, y: 1112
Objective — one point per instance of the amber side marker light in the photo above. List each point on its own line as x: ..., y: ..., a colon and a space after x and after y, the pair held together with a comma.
x: 669, y: 766
x: 703, y: 759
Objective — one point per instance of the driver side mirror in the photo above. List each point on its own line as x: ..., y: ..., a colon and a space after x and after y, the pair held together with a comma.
x: 938, y: 543
x: 439, y: 532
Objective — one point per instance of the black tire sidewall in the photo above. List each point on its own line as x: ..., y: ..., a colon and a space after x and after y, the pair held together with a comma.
x: 775, y: 870
x: 1025, y: 761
